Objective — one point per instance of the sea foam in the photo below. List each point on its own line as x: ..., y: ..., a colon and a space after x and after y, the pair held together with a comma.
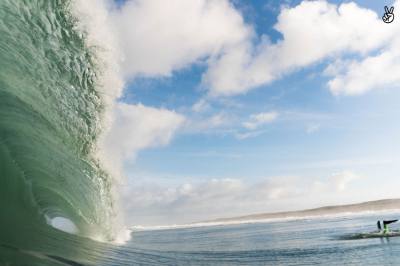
x: 94, y: 22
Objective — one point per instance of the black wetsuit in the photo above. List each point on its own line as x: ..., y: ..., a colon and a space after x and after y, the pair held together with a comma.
x: 385, y: 227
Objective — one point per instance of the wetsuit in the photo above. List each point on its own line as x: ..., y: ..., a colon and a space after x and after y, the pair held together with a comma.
x: 385, y: 225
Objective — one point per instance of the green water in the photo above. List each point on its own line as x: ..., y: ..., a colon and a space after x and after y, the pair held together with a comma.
x: 50, y: 112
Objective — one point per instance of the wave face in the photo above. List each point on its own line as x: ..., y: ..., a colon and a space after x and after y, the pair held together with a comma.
x: 50, y: 111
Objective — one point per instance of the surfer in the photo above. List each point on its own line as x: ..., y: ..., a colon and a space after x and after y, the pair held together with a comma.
x: 385, y: 225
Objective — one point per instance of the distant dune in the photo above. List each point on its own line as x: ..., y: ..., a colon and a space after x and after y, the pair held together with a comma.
x: 377, y: 205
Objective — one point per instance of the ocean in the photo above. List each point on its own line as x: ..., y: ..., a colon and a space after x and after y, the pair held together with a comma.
x: 57, y: 205
x: 317, y: 241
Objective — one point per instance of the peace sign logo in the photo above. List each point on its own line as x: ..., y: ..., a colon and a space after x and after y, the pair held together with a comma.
x: 388, y: 17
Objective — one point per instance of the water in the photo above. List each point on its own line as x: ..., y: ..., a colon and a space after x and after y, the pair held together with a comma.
x: 50, y: 112
x: 299, y: 242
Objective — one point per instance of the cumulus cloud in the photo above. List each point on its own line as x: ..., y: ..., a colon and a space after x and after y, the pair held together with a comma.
x: 140, y: 33
x: 312, y: 31
x: 158, y: 37
x: 151, y: 204
x: 153, y: 38
x: 136, y: 127
x: 372, y: 72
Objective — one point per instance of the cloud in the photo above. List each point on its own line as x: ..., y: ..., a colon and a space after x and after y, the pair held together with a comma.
x: 136, y: 127
x: 223, y: 123
x: 201, y: 106
x: 214, y: 154
x: 158, y: 37
x: 127, y: 129
x: 247, y: 135
x: 218, y: 120
x: 341, y: 180
x: 312, y: 31
x: 373, y: 72
x: 257, y: 120
x: 216, y: 123
x: 151, y: 204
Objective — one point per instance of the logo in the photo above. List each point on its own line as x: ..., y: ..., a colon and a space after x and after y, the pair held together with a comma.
x: 388, y: 17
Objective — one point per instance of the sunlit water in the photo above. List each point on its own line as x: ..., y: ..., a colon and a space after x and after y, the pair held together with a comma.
x: 296, y: 242
x: 301, y: 242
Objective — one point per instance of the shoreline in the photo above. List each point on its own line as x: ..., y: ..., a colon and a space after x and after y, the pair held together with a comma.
x: 357, y: 209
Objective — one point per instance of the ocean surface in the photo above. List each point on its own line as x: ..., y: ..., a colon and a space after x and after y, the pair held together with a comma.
x: 324, y: 241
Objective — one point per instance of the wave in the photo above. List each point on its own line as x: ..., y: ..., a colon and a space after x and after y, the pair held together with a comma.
x: 57, y: 87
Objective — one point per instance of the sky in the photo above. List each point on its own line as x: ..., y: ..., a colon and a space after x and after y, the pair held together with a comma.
x: 240, y: 107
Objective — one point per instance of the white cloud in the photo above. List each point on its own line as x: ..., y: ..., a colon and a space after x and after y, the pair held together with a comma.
x: 257, y: 120
x: 218, y: 120
x: 201, y: 106
x: 158, y: 37
x: 312, y: 31
x: 223, y: 123
x: 377, y: 71
x: 151, y: 204
x: 210, y: 123
x: 136, y: 127
x: 247, y: 135
x: 374, y: 72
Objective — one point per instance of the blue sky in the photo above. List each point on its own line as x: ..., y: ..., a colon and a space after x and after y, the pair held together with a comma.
x: 301, y: 131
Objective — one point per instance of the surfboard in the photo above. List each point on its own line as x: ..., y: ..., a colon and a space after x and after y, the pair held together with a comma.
x: 376, y: 234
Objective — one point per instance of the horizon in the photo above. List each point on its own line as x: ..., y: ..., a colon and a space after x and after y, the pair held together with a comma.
x: 317, y: 208
x: 253, y: 107
x: 252, y: 218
